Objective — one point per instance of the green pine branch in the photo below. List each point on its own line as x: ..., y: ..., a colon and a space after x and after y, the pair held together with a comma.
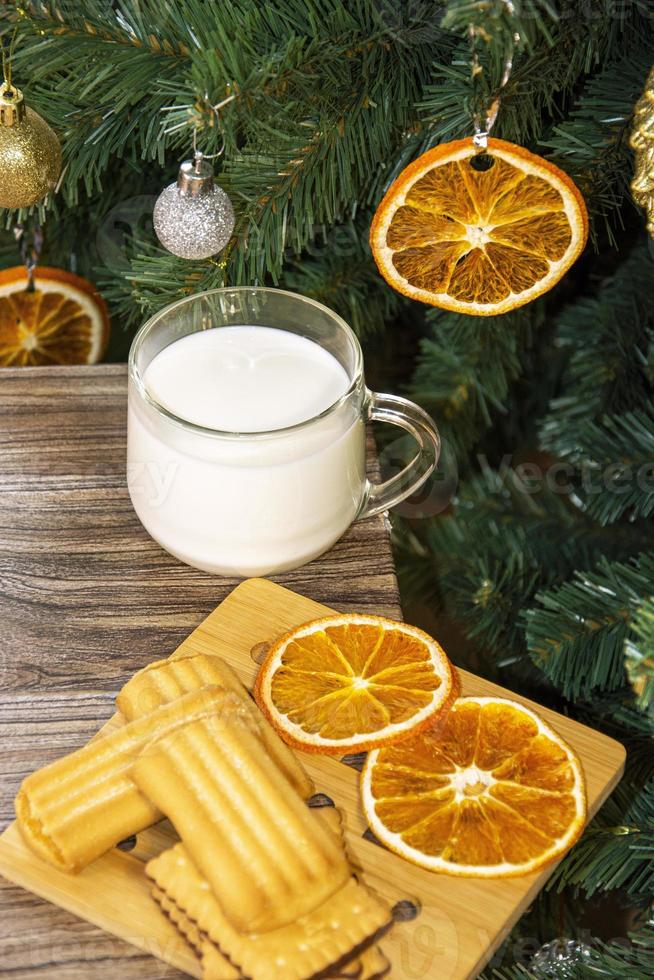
x: 152, y: 279
x: 318, y: 159
x: 138, y: 25
x: 541, y: 77
x: 635, y: 961
x: 496, y: 561
x: 465, y: 369
x: 616, y: 458
x: 617, y: 850
x: 639, y: 654
x: 592, y: 143
x: 610, y: 858
x: 577, y: 632
x: 606, y: 341
x: 632, y: 959
x: 619, y: 715
x: 497, y: 22
x: 337, y: 272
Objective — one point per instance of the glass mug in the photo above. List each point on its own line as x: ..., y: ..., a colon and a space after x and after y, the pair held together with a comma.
x: 259, y: 502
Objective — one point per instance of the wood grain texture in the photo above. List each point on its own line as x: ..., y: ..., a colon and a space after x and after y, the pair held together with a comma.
x: 461, y: 921
x: 86, y: 599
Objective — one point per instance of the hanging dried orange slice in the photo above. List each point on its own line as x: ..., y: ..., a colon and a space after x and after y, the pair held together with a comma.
x: 348, y: 683
x: 478, y: 241
x: 63, y: 320
x: 493, y: 792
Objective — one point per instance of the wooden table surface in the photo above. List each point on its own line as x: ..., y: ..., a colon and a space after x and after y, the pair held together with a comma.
x: 86, y: 599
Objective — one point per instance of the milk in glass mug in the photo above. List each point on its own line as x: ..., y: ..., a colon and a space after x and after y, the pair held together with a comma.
x: 246, y: 445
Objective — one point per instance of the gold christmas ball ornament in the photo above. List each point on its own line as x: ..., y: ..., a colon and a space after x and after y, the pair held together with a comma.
x: 642, y: 142
x: 30, y: 153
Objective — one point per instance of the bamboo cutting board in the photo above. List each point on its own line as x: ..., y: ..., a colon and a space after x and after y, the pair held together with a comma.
x: 460, y: 922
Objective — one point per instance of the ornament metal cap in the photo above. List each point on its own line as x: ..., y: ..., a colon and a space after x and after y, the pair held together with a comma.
x: 12, y: 107
x: 195, y: 177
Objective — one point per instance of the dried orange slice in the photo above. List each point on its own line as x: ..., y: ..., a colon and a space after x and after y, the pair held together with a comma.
x: 478, y: 241
x: 63, y: 320
x: 493, y: 792
x: 352, y: 682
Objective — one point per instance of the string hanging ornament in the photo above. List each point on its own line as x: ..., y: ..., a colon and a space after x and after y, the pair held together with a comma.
x: 193, y: 217
x: 48, y: 315
x: 479, y: 226
x: 30, y: 152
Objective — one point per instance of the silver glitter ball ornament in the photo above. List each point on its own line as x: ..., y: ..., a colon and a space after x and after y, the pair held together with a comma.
x: 194, y: 218
x: 560, y: 959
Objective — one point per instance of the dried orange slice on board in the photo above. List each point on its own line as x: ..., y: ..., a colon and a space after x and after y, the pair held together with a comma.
x: 478, y: 241
x: 63, y: 320
x: 348, y: 683
x: 494, y: 792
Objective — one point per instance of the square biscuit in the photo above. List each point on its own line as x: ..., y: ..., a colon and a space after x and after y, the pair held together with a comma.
x: 316, y: 944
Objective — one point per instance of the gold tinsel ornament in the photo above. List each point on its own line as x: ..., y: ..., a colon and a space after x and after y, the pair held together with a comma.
x: 642, y: 142
x: 30, y: 153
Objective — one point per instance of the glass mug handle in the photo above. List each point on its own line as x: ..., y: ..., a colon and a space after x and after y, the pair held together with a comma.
x: 414, y: 420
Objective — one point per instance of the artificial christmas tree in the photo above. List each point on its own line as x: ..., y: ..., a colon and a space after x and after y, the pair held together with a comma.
x: 545, y: 556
